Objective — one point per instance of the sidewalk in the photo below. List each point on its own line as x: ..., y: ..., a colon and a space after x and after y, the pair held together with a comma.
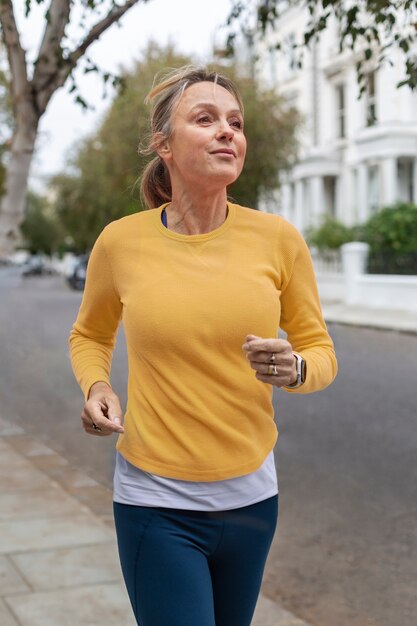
x: 58, y: 555
x: 397, y: 320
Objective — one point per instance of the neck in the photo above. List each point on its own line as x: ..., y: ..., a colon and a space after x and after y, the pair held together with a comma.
x: 190, y: 215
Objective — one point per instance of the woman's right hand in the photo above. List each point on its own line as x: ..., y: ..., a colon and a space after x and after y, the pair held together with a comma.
x: 102, y: 413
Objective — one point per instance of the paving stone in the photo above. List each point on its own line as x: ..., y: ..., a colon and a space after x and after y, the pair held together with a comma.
x: 49, y: 501
x: 10, y: 579
x: 22, y: 477
x: 270, y: 614
x: 49, y: 462
x: 9, y: 428
x: 72, y: 478
x: 87, y: 565
x: 109, y: 521
x: 27, y: 446
x: 47, y: 533
x: 9, y: 458
x: 98, y: 499
x: 6, y: 618
x: 95, y: 605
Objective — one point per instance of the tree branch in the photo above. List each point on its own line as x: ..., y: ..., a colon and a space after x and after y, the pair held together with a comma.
x: 98, y: 29
x: 15, y: 53
x: 50, y: 51
x: 69, y: 63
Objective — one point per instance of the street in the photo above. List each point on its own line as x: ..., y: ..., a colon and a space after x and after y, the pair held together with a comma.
x: 345, y: 551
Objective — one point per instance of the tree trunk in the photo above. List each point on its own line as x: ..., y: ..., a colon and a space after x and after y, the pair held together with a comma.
x: 30, y: 97
x: 12, y: 207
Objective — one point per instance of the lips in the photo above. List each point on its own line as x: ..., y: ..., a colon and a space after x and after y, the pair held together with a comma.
x: 224, y: 151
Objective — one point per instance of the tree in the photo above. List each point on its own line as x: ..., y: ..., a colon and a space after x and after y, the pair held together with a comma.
x: 107, y: 165
x: 31, y: 88
x: 6, y: 123
x: 368, y: 27
x: 40, y: 228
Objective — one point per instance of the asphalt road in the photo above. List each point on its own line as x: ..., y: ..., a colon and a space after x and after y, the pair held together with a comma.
x: 345, y: 553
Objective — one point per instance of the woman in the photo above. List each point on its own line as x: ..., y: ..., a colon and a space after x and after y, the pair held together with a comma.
x: 203, y: 286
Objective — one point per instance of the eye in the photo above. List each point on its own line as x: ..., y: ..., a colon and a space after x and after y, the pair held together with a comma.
x: 203, y: 119
x: 237, y: 124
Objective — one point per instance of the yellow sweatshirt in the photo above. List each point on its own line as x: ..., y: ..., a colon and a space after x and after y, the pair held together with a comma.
x: 195, y: 410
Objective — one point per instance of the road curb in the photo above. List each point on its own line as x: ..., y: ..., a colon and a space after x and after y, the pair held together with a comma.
x: 377, y: 319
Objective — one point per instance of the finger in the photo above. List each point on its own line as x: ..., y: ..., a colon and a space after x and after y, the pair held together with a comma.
x: 266, y: 357
x: 115, y: 414
x: 252, y: 337
x: 272, y: 370
x: 266, y: 345
x: 277, y: 381
x: 97, y: 413
x: 94, y: 431
x: 270, y: 380
x: 96, y: 426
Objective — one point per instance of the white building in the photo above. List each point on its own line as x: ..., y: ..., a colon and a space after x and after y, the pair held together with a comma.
x: 356, y: 155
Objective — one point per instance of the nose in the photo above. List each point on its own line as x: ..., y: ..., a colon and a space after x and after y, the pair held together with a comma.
x: 224, y: 130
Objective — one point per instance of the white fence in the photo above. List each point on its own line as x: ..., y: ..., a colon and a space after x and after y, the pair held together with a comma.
x: 350, y: 284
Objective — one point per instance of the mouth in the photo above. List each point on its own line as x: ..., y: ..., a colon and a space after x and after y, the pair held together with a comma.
x: 225, y: 151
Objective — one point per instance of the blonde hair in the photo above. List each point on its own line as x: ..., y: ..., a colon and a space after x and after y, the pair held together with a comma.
x: 166, y: 92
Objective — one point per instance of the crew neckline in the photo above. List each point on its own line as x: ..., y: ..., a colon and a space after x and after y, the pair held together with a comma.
x: 200, y: 236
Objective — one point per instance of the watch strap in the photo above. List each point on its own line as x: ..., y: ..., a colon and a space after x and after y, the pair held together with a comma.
x: 301, y: 371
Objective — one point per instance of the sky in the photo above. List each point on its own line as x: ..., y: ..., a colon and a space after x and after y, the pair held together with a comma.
x: 192, y: 26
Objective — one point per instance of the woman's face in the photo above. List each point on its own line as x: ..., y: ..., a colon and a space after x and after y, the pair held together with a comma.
x: 207, y: 146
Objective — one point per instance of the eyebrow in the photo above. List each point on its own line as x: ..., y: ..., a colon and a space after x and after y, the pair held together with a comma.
x: 210, y: 105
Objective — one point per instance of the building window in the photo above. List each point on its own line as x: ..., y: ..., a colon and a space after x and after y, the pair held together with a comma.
x: 340, y: 110
x: 373, y: 188
x: 329, y: 189
x: 371, y: 115
x: 291, y: 53
x: 405, y: 177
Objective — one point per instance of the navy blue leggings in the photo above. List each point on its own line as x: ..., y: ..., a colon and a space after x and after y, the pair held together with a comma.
x: 194, y: 568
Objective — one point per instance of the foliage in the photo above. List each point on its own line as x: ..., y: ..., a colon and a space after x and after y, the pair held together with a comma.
x: 393, y: 228
x: 104, y: 185
x: 40, y: 229
x: 370, y: 28
x: 330, y: 235
x: 392, y: 236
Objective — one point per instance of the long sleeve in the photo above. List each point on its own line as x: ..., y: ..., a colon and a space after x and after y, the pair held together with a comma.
x: 195, y: 409
x: 301, y: 315
x: 93, y: 336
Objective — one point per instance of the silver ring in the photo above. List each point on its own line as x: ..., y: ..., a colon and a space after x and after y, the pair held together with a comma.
x: 272, y: 370
x: 272, y: 359
x: 96, y: 427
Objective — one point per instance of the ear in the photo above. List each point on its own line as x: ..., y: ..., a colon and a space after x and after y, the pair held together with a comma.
x: 162, y: 147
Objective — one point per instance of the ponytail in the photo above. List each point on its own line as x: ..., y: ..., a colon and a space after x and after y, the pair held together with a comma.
x: 155, y: 186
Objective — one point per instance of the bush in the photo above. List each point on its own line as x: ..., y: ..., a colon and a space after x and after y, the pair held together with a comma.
x: 330, y: 235
x: 391, y: 234
x: 392, y: 237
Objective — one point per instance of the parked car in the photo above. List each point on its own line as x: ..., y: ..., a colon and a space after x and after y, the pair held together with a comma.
x: 76, y: 279
x: 36, y: 265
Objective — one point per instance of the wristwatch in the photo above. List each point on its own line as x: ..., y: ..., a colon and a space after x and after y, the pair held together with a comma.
x: 301, y: 371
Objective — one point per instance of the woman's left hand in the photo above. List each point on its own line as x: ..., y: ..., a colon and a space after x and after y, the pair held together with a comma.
x: 272, y: 359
